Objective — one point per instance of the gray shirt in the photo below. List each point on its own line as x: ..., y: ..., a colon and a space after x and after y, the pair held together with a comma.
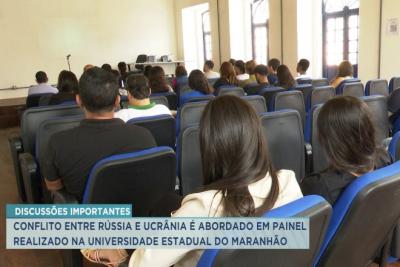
x: 42, y: 88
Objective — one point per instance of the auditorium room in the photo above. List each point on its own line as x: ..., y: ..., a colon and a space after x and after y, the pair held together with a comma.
x: 227, y: 112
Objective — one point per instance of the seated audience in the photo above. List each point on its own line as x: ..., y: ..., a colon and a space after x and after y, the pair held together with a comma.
x: 72, y: 153
x: 250, y: 67
x: 302, y: 67
x: 273, y: 65
x: 232, y: 61
x: 147, y: 70
x: 139, y: 100
x: 123, y: 71
x: 344, y: 72
x: 239, y: 179
x: 42, y: 87
x: 157, y: 81
x: 240, y: 71
x: 393, y: 103
x: 181, y: 76
x: 228, y: 76
x: 347, y: 135
x: 67, y: 86
x: 199, y: 85
x: 106, y: 67
x: 208, y: 70
x: 285, y: 78
x: 261, y: 73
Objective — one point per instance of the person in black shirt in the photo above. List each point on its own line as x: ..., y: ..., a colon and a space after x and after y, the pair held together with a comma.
x: 72, y: 153
x: 273, y: 65
x: 347, y: 135
x: 67, y: 86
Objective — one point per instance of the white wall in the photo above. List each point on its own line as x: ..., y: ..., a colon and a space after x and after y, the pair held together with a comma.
x: 38, y: 34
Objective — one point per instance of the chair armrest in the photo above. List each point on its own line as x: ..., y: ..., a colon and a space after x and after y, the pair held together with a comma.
x: 16, y: 148
x: 30, y: 177
x: 63, y: 197
x: 308, y: 150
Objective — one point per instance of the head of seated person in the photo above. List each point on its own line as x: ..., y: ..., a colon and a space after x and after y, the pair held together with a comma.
x: 261, y: 73
x: 273, y: 65
x: 347, y: 134
x: 285, y: 78
x: 140, y: 104
x: 41, y: 77
x: 87, y: 66
x: 67, y: 86
x: 106, y: 67
x: 345, y: 71
x: 240, y: 71
x: 208, y: 70
x: 181, y: 72
x: 228, y: 76
x: 157, y: 81
x: 147, y: 70
x: 199, y: 85
x: 250, y: 68
x: 302, y: 67
x: 122, y: 68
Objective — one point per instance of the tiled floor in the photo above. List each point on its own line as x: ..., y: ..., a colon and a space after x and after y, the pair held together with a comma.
x: 8, y: 194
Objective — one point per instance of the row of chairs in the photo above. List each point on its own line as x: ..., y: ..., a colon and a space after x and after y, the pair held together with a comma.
x: 334, y: 231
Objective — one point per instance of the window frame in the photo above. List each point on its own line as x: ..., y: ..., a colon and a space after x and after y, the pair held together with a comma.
x: 345, y: 13
x: 205, y: 34
x: 254, y: 27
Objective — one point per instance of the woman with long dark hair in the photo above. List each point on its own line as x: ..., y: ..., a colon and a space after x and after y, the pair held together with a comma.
x: 67, y: 88
x: 239, y: 179
x: 285, y: 78
x: 228, y: 76
x: 345, y: 71
x: 199, y: 85
x: 157, y: 81
x: 348, y: 137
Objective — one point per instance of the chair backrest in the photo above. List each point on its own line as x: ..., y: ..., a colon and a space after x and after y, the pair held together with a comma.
x: 201, y: 98
x: 304, y: 81
x: 50, y: 127
x: 159, y: 99
x: 140, y: 59
x: 306, y: 89
x: 319, y: 158
x: 319, y: 96
x: 283, y: 132
x: 340, y: 87
x: 237, y: 91
x: 212, y: 81
x: 189, y: 114
x: 189, y: 160
x: 394, y: 147
x: 31, y: 119
x: 33, y: 100
x: 320, y: 82
x: 184, y: 88
x: 290, y: 100
x: 251, y: 88
x: 45, y: 100
x: 172, y: 99
x: 368, y: 209
x: 394, y: 84
x: 132, y: 178
x: 268, y: 94
x: 353, y: 89
x: 313, y: 207
x: 162, y: 127
x: 377, y: 87
x: 257, y: 102
x: 378, y: 107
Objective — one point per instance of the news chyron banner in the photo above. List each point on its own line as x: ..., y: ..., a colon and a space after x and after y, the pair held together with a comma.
x: 112, y: 226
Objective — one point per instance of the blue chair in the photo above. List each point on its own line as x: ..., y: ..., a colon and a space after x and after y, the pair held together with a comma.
x: 189, y: 115
x: 268, y: 93
x: 304, y: 81
x: 252, y: 88
x: 162, y: 127
x: 377, y: 87
x: 289, y: 100
x: 396, y: 126
x: 313, y: 207
x: 25, y: 143
x: 257, y: 102
x: 305, y: 88
x: 216, y: 91
x: 212, y: 81
x: 320, y: 82
x: 363, y: 217
x: 160, y: 100
x: 319, y: 96
x: 193, y: 96
x: 351, y: 87
x: 378, y: 107
x: 394, y: 84
x: 172, y: 99
x: 394, y: 147
x: 33, y: 100
x: 237, y: 91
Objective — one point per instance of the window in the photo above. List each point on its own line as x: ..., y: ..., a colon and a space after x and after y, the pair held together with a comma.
x: 259, y: 30
x: 340, y: 33
x: 205, y: 20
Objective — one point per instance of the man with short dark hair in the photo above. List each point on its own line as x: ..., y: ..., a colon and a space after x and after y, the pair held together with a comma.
x: 208, y: 70
x: 71, y: 154
x: 42, y: 87
x: 261, y: 73
x: 302, y: 67
x: 139, y: 100
x: 123, y: 71
x: 273, y: 65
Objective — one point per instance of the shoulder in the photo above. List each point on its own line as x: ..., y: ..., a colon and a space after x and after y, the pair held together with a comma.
x: 163, y: 109
x: 289, y: 189
x: 198, y: 204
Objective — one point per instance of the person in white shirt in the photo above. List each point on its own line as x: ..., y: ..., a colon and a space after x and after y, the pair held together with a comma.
x: 302, y: 67
x: 139, y: 100
x: 239, y: 180
x: 42, y: 87
x: 208, y: 70
x: 240, y: 71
